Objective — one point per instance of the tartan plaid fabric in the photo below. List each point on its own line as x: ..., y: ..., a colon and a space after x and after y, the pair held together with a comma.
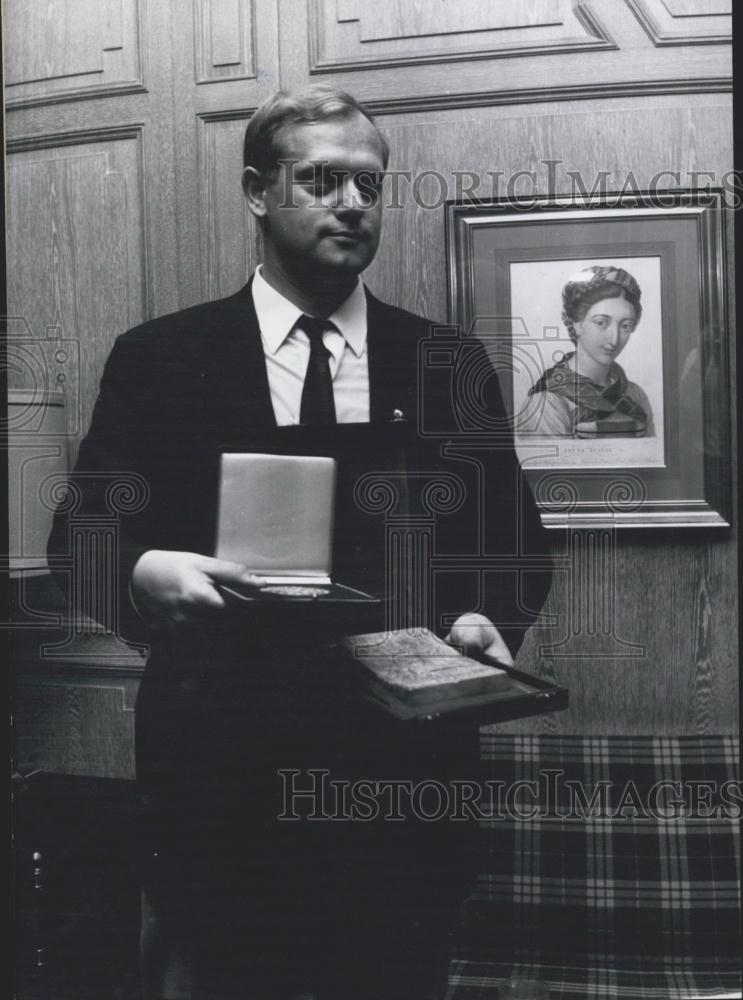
x: 610, y: 866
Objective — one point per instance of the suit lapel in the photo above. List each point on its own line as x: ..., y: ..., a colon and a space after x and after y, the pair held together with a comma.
x: 239, y: 364
x: 392, y: 350
x: 239, y: 368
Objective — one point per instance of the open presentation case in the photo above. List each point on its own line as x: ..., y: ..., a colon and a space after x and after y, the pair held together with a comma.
x: 320, y: 563
x: 289, y: 510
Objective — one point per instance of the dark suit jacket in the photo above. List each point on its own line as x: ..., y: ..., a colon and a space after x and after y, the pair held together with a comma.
x: 175, y: 390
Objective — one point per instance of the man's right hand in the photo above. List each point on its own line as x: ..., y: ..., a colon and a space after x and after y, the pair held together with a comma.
x: 172, y: 589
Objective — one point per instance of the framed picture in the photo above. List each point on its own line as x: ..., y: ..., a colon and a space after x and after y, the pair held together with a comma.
x: 606, y: 323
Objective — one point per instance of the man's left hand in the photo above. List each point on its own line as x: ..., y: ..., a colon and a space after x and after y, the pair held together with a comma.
x: 474, y: 633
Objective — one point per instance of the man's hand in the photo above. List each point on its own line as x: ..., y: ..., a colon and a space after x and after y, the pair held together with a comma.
x: 172, y: 589
x: 476, y: 633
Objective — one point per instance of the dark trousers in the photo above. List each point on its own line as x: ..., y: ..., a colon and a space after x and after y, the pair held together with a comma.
x: 243, y: 904
x: 385, y: 952
x: 243, y: 920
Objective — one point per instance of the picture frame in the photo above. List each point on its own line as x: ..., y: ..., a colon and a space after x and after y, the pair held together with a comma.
x: 644, y: 443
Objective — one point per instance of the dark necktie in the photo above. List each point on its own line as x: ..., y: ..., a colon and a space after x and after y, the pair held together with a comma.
x: 318, y: 405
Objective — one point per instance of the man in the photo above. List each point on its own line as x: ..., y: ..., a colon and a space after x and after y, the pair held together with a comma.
x: 236, y: 903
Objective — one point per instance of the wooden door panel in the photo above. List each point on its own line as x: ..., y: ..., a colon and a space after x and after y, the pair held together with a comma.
x: 685, y: 22
x: 76, y: 726
x: 405, y: 56
x: 76, y: 244
x: 232, y: 46
x: 225, y: 40
x: 71, y: 49
x: 351, y: 34
x: 229, y: 233
x: 227, y: 56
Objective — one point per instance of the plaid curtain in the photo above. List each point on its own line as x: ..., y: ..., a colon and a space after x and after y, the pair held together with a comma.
x: 609, y: 865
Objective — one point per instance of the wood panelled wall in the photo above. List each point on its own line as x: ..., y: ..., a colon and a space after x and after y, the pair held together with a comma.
x: 125, y: 202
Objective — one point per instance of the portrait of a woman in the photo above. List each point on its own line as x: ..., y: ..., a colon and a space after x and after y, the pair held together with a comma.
x: 587, y: 393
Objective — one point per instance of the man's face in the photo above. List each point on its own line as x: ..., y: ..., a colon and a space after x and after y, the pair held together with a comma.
x: 323, y: 210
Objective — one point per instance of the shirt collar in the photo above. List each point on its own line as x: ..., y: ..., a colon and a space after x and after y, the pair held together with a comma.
x: 277, y: 315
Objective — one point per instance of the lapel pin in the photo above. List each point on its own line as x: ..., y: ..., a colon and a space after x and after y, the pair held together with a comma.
x: 397, y: 416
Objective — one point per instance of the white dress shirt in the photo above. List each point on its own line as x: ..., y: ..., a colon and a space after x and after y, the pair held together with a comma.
x: 287, y: 353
